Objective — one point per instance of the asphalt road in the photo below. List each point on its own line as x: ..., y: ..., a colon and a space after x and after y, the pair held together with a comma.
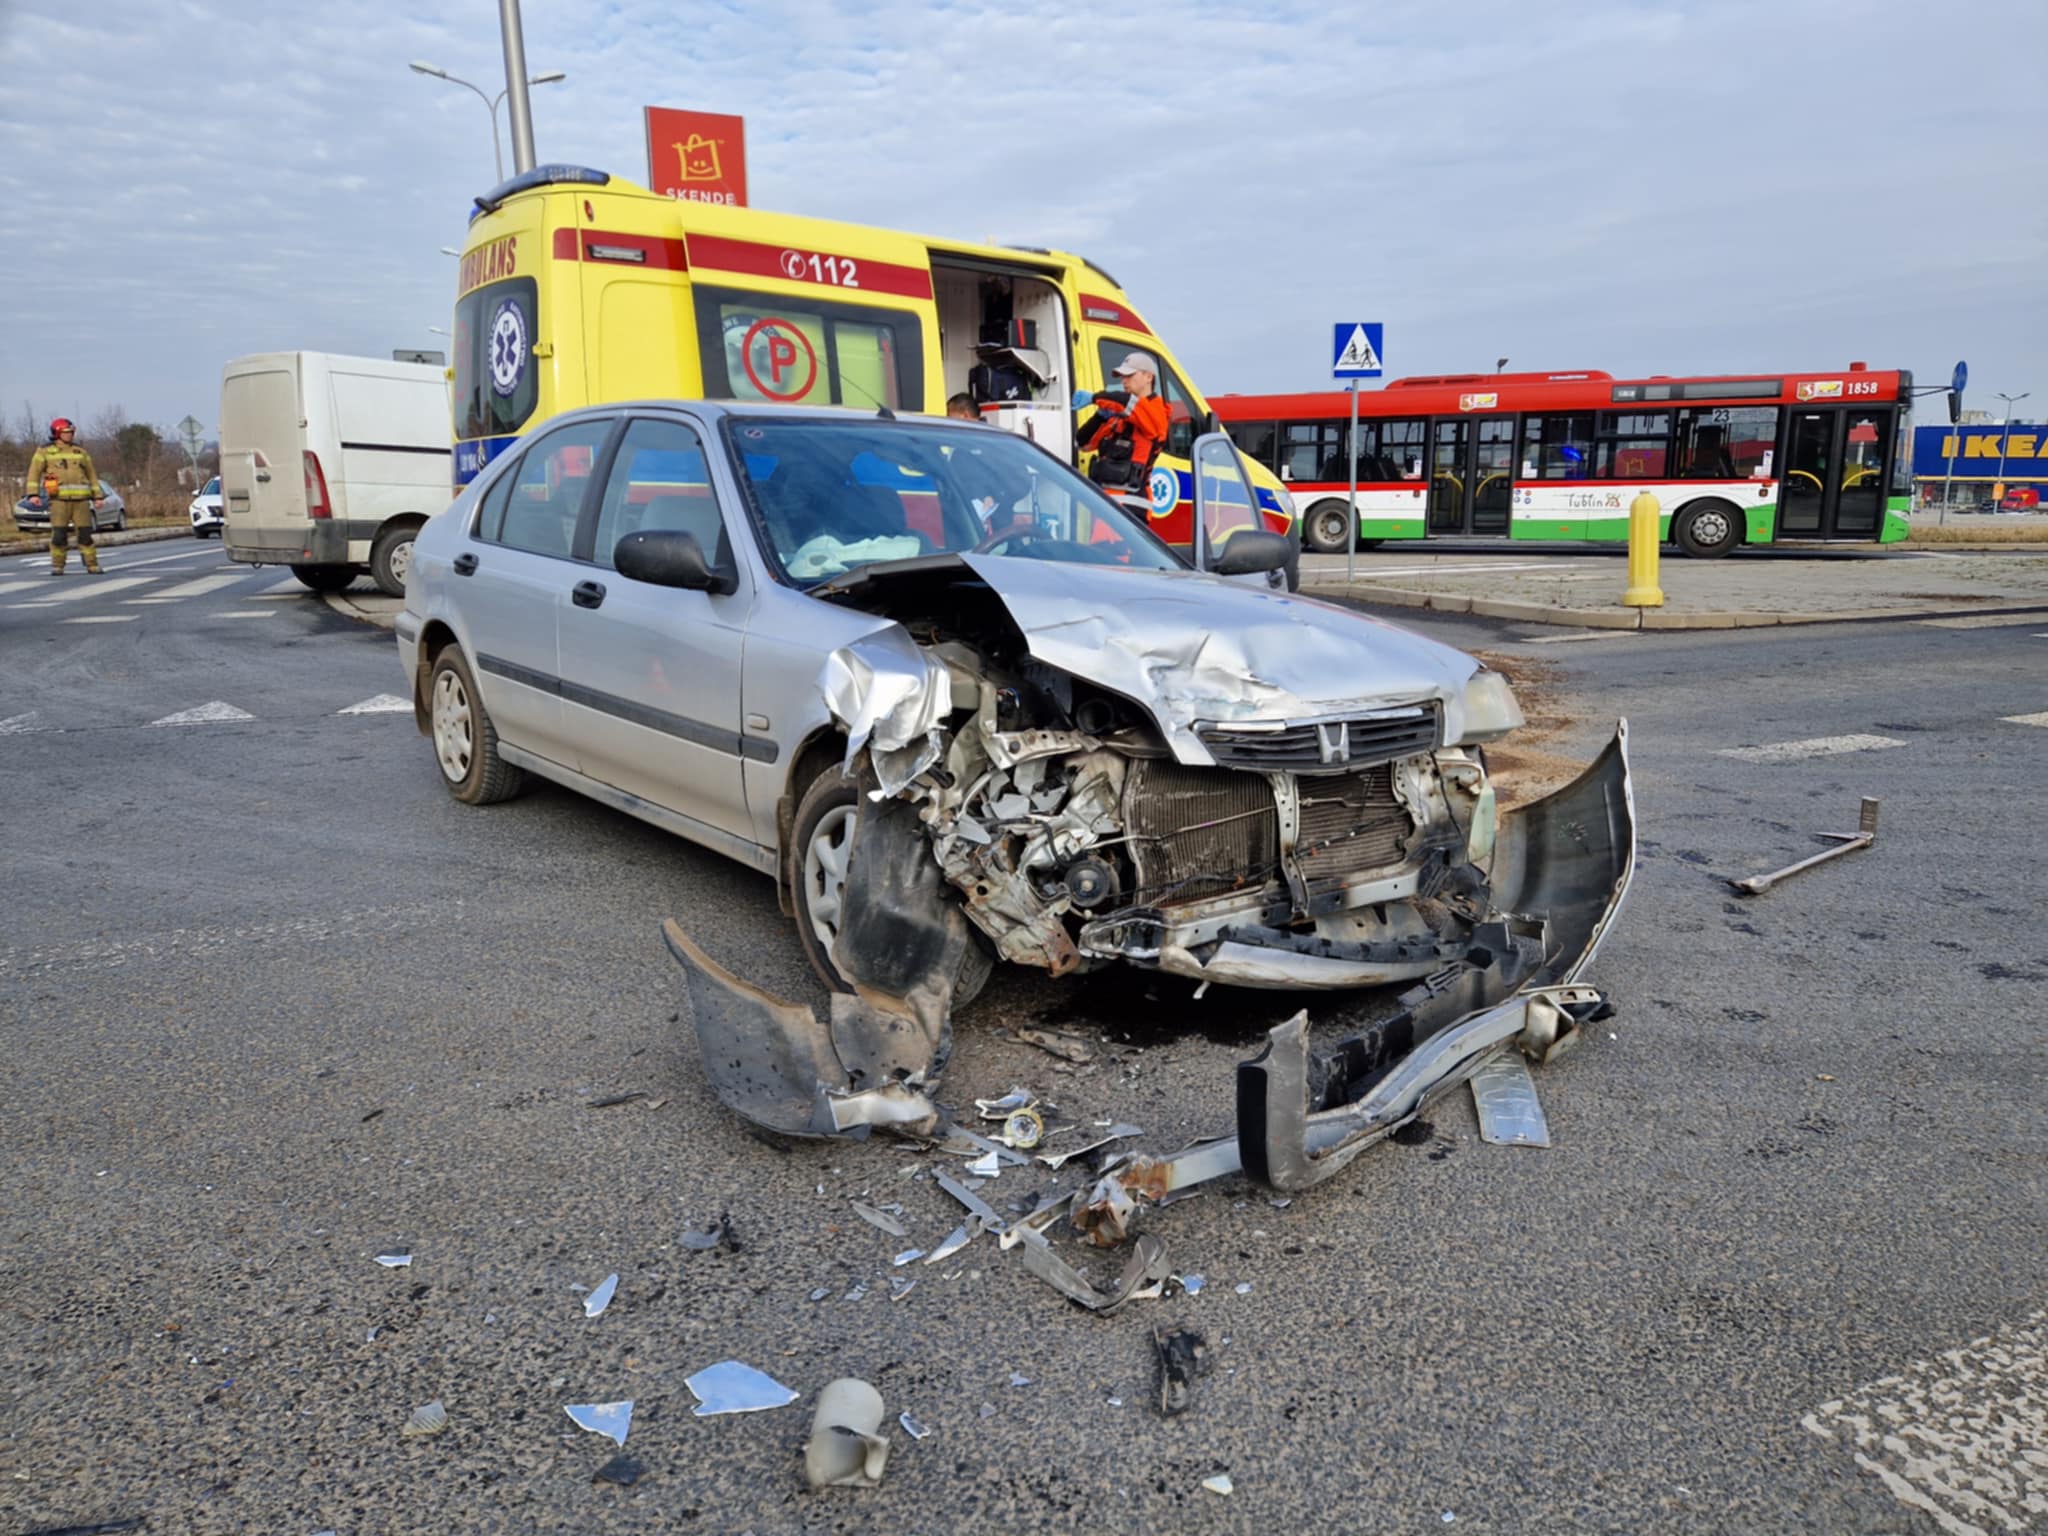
x: 276, y: 1004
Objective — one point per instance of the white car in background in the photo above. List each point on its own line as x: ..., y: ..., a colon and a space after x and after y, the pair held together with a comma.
x: 205, y: 510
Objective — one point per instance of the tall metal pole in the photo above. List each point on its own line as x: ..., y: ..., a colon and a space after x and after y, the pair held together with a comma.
x: 520, y: 110
x: 1351, y: 508
x: 1948, y: 480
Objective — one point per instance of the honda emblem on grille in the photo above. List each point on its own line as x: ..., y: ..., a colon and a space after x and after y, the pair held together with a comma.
x: 1333, y: 742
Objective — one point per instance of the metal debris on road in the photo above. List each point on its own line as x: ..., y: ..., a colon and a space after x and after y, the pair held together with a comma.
x: 612, y: 1419
x: 427, y: 1419
x: 1146, y: 1264
x: 394, y: 1260
x: 617, y: 1099
x: 1504, y: 1095
x: 622, y: 1470
x: 998, y: 1109
x: 1846, y: 842
x: 1220, y: 1483
x: 1064, y: 1044
x: 1114, y: 1133
x: 986, y: 1167
x: 1183, y: 1355
x: 733, y: 1387
x: 911, y: 1427
x: 847, y: 1448
x: 595, y: 1303
x: 881, y: 1219
x: 955, y: 1240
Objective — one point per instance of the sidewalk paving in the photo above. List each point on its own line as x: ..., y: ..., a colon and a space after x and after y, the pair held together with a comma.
x: 1735, y: 593
x: 371, y: 607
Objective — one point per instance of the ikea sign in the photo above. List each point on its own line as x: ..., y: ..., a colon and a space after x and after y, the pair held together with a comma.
x: 1976, y: 452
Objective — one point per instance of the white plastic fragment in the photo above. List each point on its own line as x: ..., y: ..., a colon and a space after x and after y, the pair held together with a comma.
x: 912, y: 1427
x: 1244, y: 1287
x: 847, y: 1448
x: 394, y: 1260
x: 1019, y: 1379
x: 427, y: 1419
x: 612, y: 1420
x: 901, y: 1286
x: 1220, y: 1483
x: 595, y: 1303
x: 881, y: 1219
x: 734, y: 1387
x: 1192, y: 1284
x: 987, y: 1166
x: 907, y: 1256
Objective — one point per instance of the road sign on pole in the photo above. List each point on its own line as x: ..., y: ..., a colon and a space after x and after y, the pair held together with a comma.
x: 1961, y: 377
x: 1356, y: 353
x: 1955, y: 416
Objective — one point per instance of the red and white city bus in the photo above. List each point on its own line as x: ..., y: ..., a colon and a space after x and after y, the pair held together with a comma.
x: 1731, y: 460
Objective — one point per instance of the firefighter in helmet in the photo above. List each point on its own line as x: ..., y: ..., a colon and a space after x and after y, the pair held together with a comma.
x: 61, y: 477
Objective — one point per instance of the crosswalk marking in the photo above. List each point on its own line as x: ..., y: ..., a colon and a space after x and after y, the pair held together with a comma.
x: 23, y: 586
x: 213, y: 713
x: 1818, y: 746
x: 89, y: 586
x: 199, y: 587
x: 244, y: 613
x: 19, y: 725
x: 103, y: 618
x: 2035, y: 719
x: 382, y: 704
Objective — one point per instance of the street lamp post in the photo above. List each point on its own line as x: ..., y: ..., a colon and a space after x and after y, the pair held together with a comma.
x: 2005, y: 433
x: 491, y: 103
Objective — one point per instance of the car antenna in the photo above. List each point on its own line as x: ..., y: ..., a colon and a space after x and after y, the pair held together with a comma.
x: 881, y: 410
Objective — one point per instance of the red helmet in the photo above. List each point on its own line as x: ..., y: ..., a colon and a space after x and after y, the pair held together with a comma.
x: 61, y: 424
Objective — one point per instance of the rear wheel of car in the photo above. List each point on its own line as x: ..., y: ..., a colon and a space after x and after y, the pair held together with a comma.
x: 120, y: 522
x: 821, y: 845
x: 1707, y: 530
x: 327, y: 578
x: 1326, y: 527
x: 391, y: 559
x: 465, y: 741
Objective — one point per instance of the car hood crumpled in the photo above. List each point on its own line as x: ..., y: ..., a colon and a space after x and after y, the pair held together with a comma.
x: 1196, y: 648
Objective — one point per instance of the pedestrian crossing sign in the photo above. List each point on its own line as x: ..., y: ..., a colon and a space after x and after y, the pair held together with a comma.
x: 1356, y: 351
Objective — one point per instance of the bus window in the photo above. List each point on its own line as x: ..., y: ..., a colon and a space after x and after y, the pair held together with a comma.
x: 1558, y: 446
x: 1256, y: 440
x: 1633, y: 445
x: 1312, y: 451
x: 807, y: 352
x: 1729, y: 442
x: 1394, y: 451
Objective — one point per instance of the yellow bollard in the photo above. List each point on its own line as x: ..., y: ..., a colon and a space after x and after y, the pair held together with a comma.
x: 1643, y: 591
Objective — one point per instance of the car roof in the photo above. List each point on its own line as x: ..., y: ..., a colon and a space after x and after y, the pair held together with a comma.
x: 718, y: 409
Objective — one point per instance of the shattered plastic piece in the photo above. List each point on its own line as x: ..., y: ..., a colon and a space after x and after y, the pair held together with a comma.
x: 1024, y: 1130
x: 1019, y: 1379
x: 1061, y: 1043
x: 1504, y: 1095
x: 734, y: 1387
x: 1846, y: 842
x: 847, y: 1448
x: 613, y: 1419
x: 901, y: 1286
x: 912, y: 1427
x: 907, y: 1256
x: 1146, y: 1264
x: 621, y: 1469
x: 998, y: 1109
x: 1192, y: 1284
x: 595, y: 1303
x: 1115, y: 1133
x: 955, y: 1240
x: 986, y: 1167
x: 717, y: 1235
x: 1243, y: 1287
x: 427, y: 1419
x: 394, y: 1260
x: 858, y: 1293
x: 1183, y: 1355
x: 882, y: 1219
x: 1220, y: 1483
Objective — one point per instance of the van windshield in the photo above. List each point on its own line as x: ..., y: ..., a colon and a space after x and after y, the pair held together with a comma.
x: 828, y: 497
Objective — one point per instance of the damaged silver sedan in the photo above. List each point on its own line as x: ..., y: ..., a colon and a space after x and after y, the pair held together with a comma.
x: 967, y: 709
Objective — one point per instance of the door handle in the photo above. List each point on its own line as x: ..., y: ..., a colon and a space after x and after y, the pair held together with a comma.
x: 587, y: 594
x: 464, y: 563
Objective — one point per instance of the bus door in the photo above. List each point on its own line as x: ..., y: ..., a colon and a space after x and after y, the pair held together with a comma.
x: 1472, y: 475
x: 1835, y: 474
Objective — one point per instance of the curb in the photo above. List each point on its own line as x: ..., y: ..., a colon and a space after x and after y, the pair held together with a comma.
x: 339, y: 602
x: 1631, y: 618
x: 29, y: 544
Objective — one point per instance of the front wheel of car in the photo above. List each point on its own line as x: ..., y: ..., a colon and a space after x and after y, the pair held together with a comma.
x: 465, y: 741
x: 821, y: 847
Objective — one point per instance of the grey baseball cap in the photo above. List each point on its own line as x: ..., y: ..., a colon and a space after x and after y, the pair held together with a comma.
x: 1136, y: 362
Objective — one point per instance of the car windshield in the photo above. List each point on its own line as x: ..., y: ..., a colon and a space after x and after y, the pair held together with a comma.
x: 212, y: 487
x: 830, y: 496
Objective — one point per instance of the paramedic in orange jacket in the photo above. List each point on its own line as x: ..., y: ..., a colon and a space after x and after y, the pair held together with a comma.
x: 1136, y: 414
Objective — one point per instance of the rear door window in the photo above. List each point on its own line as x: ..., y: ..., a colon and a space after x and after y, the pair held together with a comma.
x: 496, y: 384
x: 808, y: 352
x: 548, y: 486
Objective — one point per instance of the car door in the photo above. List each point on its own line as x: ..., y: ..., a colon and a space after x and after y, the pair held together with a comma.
x: 512, y: 577
x: 651, y: 675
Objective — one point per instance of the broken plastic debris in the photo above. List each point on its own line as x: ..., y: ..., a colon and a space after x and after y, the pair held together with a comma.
x: 998, y: 1109
x: 599, y: 1299
x: 901, y: 1286
x: 733, y: 1387
x: 881, y: 1219
x: 1192, y: 1284
x: 621, y: 1469
x: 1115, y: 1133
x: 394, y: 1260
x: 612, y: 1419
x: 911, y: 1427
x: 1183, y: 1355
x: 1060, y: 1043
x: 1220, y: 1483
x: 1019, y: 1379
x: 717, y: 1235
x: 1243, y: 1287
x: 907, y: 1256
x: 427, y: 1419
x: 847, y: 1448
x: 986, y: 1166
x: 955, y: 1240
x: 1024, y: 1129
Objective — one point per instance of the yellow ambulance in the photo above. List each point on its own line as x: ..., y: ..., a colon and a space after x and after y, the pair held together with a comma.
x: 577, y: 288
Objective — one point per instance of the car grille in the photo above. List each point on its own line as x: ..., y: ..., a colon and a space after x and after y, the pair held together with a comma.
x: 1325, y: 746
x: 1200, y: 832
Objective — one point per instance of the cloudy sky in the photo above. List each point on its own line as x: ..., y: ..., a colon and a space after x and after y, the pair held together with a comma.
x: 1661, y: 186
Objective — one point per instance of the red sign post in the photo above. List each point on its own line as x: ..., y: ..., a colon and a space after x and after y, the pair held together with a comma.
x: 697, y: 155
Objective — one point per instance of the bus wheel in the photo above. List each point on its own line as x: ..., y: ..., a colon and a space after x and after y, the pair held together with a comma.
x: 1326, y: 527
x: 1707, y: 530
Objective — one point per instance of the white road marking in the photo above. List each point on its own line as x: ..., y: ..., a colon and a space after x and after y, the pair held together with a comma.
x: 199, y: 587
x: 382, y: 704
x: 205, y: 714
x: 183, y: 554
x: 1818, y: 746
x: 1577, y: 635
x: 2035, y: 719
x: 75, y: 587
x: 1466, y: 568
x: 23, y: 586
x: 103, y: 618
x: 19, y: 725
x: 1984, y: 621
x: 1958, y: 1437
x: 244, y: 613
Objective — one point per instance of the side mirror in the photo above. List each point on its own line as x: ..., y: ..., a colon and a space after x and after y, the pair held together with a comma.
x: 668, y: 557
x: 1250, y: 550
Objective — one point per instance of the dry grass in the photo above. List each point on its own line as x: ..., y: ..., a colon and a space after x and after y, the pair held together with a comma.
x: 2031, y: 531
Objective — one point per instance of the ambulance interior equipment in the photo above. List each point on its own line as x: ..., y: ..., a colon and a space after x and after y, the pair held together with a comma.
x: 1003, y: 337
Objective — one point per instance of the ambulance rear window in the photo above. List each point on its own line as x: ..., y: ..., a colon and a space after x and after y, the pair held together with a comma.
x: 808, y: 352
x: 496, y: 384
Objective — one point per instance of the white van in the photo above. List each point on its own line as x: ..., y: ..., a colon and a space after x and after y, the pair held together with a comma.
x: 330, y: 464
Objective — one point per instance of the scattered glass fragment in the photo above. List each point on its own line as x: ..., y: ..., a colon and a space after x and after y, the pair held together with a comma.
x: 907, y: 1256
x: 733, y: 1387
x: 882, y: 1219
x: 427, y: 1419
x: 1220, y: 1483
x: 595, y: 1303
x: 394, y: 1260
x: 1244, y: 1287
x: 912, y: 1427
x: 613, y: 1419
x: 901, y: 1286
x: 1193, y: 1284
x: 1019, y: 1379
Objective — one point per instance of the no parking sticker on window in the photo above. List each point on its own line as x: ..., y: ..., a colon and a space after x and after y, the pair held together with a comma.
x: 508, y: 348
x: 779, y: 359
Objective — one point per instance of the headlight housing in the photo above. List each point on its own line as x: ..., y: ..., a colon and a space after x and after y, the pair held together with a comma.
x: 1488, y: 708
